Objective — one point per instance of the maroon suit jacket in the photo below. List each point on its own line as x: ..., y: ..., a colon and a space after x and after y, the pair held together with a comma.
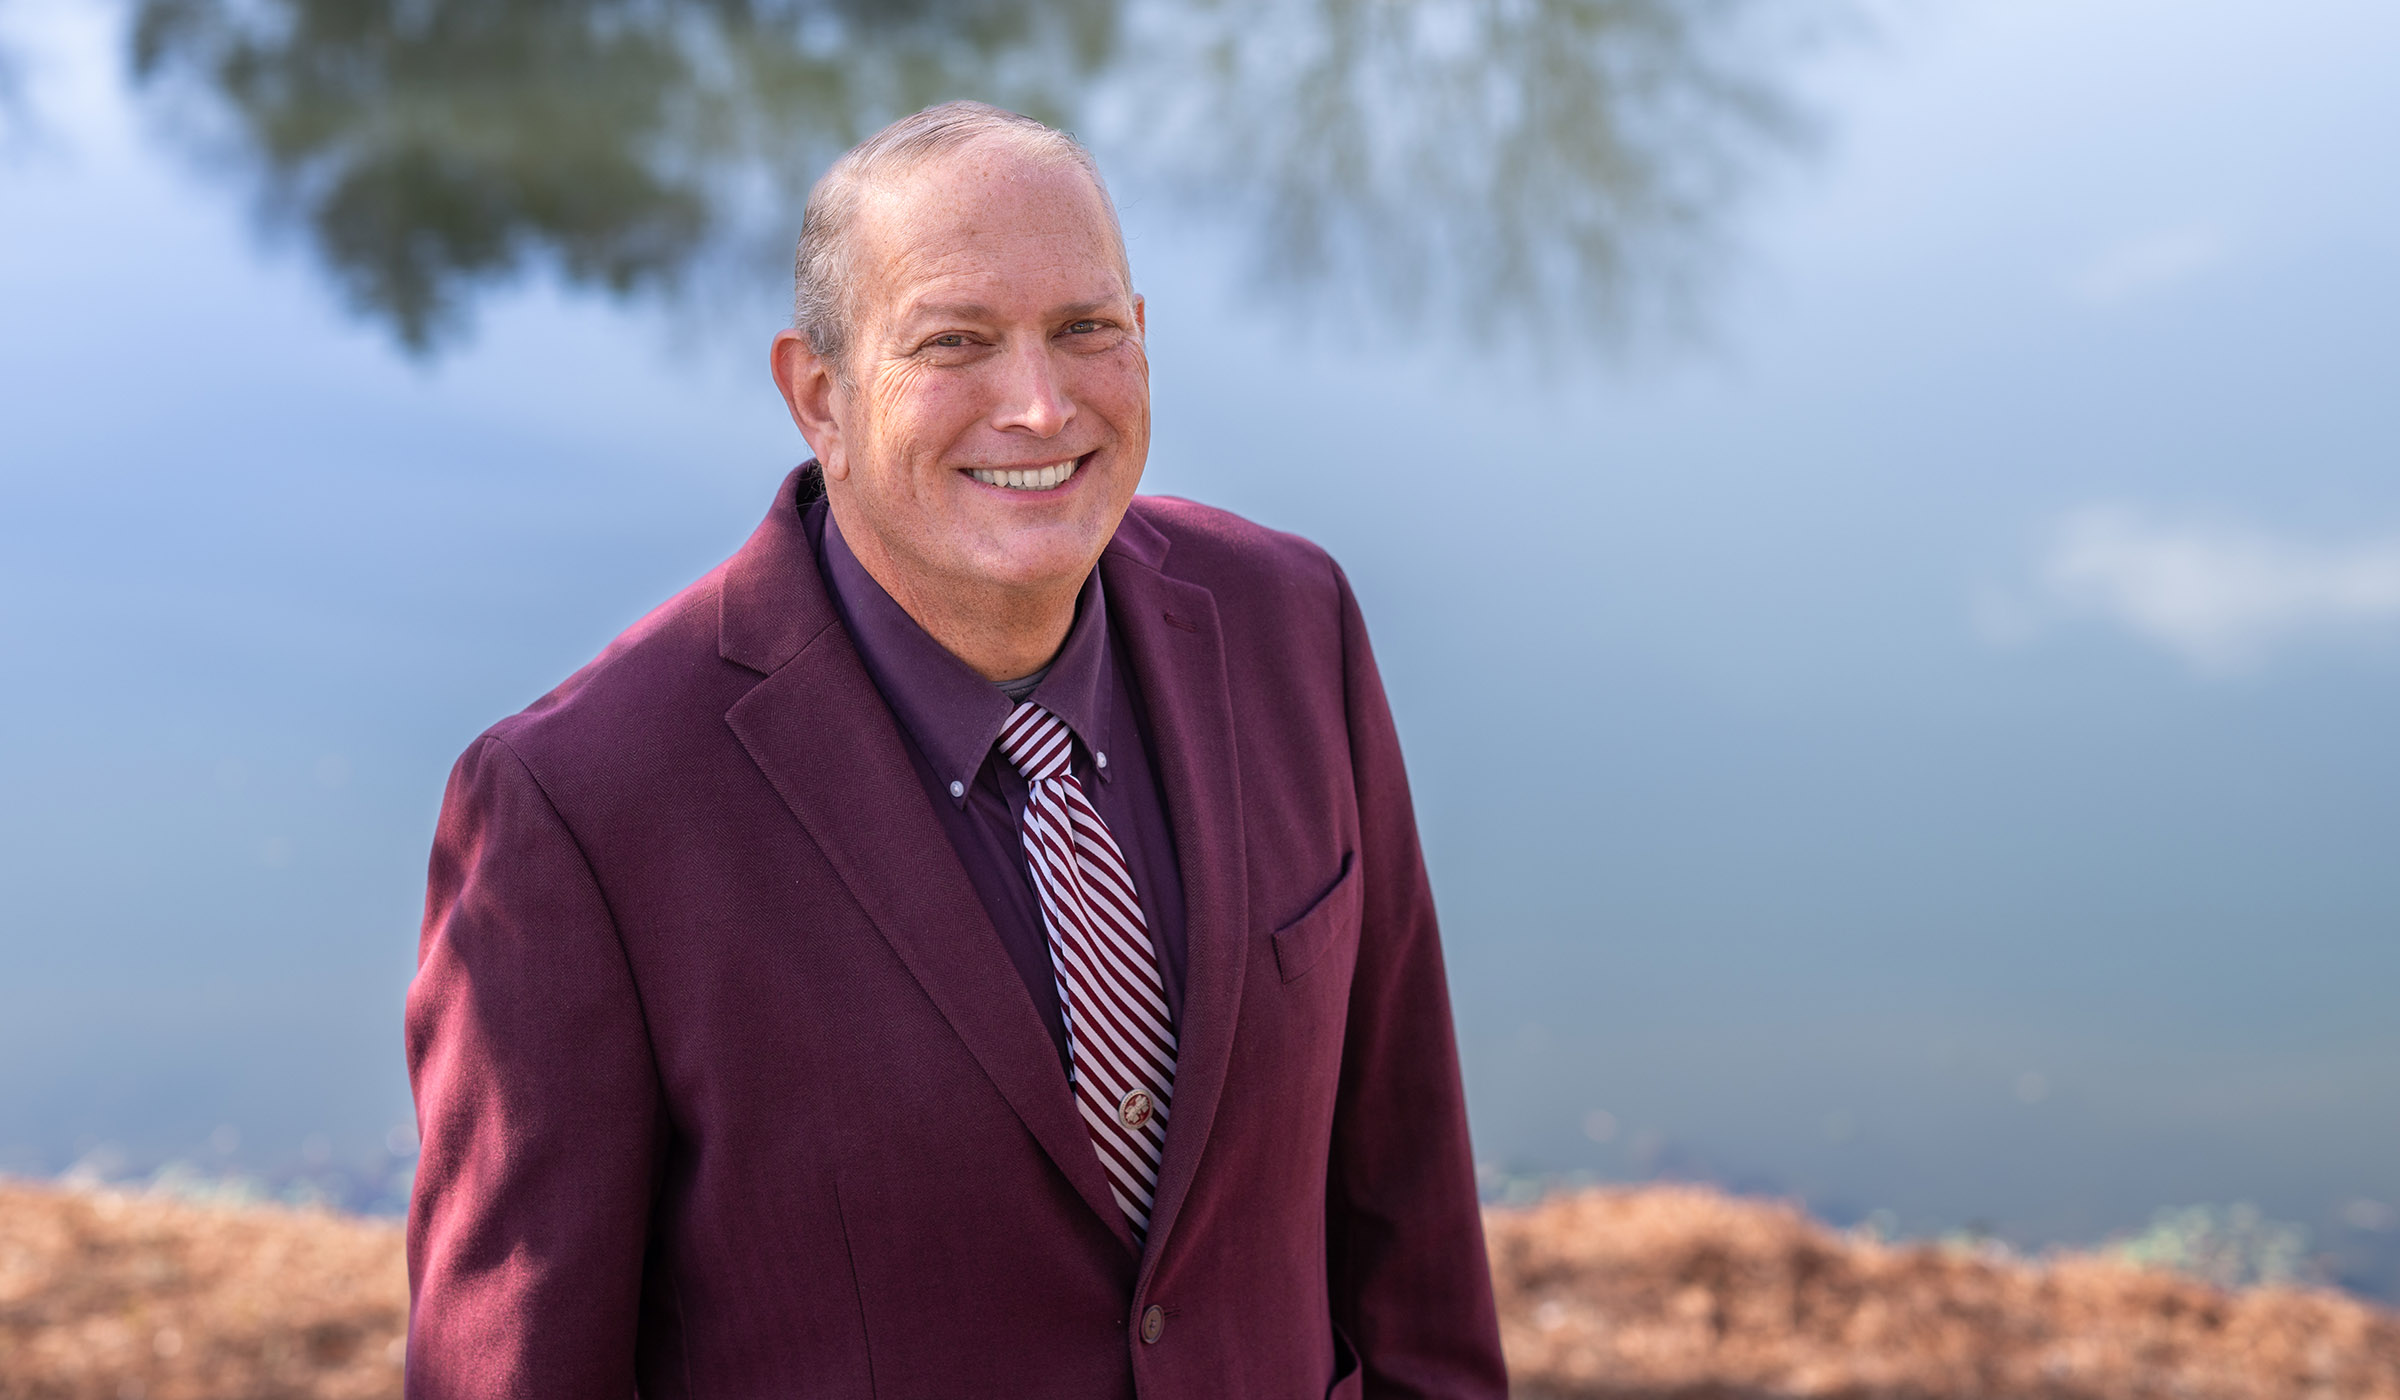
x: 727, y: 1088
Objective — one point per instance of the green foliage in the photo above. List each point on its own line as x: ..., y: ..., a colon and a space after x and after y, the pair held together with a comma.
x: 2229, y: 1246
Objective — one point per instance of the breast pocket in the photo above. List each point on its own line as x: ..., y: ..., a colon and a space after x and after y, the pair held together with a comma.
x: 1301, y: 944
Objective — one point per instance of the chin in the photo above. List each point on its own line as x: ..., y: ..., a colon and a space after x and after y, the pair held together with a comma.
x: 1040, y: 563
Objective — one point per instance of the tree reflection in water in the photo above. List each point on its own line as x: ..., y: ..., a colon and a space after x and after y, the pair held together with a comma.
x: 1500, y: 164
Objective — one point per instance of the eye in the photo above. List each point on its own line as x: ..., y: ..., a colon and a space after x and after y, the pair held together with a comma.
x: 1083, y: 327
x: 949, y: 341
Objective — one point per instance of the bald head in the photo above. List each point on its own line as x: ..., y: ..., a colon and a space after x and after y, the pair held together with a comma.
x: 826, y: 268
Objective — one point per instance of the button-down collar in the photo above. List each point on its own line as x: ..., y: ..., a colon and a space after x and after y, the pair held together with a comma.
x: 952, y: 712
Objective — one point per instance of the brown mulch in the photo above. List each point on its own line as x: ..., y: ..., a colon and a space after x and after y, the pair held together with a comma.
x: 1686, y: 1293
x: 1637, y: 1294
x: 109, y: 1296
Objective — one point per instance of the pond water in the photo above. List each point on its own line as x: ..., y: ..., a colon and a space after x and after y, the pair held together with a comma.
x: 1880, y: 521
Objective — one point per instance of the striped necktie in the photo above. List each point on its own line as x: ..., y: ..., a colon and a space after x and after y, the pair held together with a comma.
x: 1120, y: 1045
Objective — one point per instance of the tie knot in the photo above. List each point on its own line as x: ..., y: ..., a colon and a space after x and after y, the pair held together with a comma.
x: 1037, y: 742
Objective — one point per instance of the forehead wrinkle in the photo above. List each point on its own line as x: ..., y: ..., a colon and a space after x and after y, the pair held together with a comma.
x: 950, y: 283
x: 941, y: 245
x: 931, y: 224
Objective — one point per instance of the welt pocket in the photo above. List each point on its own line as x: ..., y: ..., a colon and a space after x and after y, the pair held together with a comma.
x: 1300, y: 943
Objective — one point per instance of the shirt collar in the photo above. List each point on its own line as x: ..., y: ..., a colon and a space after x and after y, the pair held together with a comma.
x: 953, y: 713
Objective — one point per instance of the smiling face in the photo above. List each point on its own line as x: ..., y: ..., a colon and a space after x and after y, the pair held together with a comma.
x: 995, y: 416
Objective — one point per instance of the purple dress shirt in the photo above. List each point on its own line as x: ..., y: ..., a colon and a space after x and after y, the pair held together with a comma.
x: 951, y: 717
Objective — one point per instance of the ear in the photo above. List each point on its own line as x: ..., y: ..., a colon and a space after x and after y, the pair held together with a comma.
x: 1141, y: 315
x: 810, y: 388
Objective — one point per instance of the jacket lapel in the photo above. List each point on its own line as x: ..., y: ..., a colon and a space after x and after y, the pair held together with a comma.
x: 820, y: 731
x: 1170, y: 630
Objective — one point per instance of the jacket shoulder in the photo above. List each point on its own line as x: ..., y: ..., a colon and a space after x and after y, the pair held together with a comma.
x: 1225, y: 551
x: 651, y: 681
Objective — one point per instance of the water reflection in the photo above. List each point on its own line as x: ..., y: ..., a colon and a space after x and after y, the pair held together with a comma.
x: 14, y: 113
x: 1543, y: 164
x: 1497, y: 164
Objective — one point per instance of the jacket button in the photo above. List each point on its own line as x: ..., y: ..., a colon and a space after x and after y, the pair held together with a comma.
x: 1154, y: 1322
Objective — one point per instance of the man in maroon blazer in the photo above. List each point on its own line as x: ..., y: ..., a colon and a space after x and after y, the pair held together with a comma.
x: 974, y: 941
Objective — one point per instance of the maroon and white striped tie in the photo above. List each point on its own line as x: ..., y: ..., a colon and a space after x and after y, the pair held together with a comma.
x: 1120, y: 1046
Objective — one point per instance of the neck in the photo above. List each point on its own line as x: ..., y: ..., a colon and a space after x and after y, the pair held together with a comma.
x: 1002, y: 633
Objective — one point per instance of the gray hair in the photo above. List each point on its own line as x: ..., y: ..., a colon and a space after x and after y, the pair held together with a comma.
x: 823, y: 268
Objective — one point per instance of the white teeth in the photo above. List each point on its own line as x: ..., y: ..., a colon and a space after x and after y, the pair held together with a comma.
x: 1037, y: 479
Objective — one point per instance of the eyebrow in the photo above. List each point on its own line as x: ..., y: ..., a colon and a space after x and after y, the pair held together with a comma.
x: 971, y: 311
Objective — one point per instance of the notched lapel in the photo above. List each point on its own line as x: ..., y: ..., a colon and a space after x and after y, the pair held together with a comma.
x: 1170, y: 630
x: 823, y: 736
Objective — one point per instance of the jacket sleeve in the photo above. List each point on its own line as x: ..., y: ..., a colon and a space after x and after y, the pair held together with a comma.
x: 1411, y: 1283
x: 537, y: 1106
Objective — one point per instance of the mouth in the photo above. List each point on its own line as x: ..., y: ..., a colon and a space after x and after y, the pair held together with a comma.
x: 1042, y: 478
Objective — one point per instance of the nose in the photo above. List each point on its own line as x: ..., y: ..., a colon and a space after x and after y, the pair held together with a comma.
x: 1031, y: 398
